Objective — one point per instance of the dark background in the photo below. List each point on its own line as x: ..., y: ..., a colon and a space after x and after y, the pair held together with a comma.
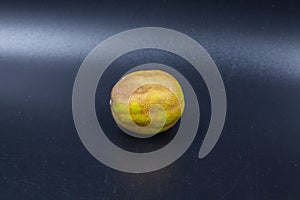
x: 256, y: 46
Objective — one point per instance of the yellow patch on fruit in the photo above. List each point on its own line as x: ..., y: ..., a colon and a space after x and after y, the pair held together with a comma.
x: 147, y: 102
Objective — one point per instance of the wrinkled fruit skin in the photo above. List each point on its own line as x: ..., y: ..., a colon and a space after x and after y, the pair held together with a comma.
x: 133, y: 97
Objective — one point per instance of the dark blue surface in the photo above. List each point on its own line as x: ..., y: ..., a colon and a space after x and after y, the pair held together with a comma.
x: 256, y: 46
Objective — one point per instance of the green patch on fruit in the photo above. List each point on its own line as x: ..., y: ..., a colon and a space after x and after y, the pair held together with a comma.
x: 119, y: 108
